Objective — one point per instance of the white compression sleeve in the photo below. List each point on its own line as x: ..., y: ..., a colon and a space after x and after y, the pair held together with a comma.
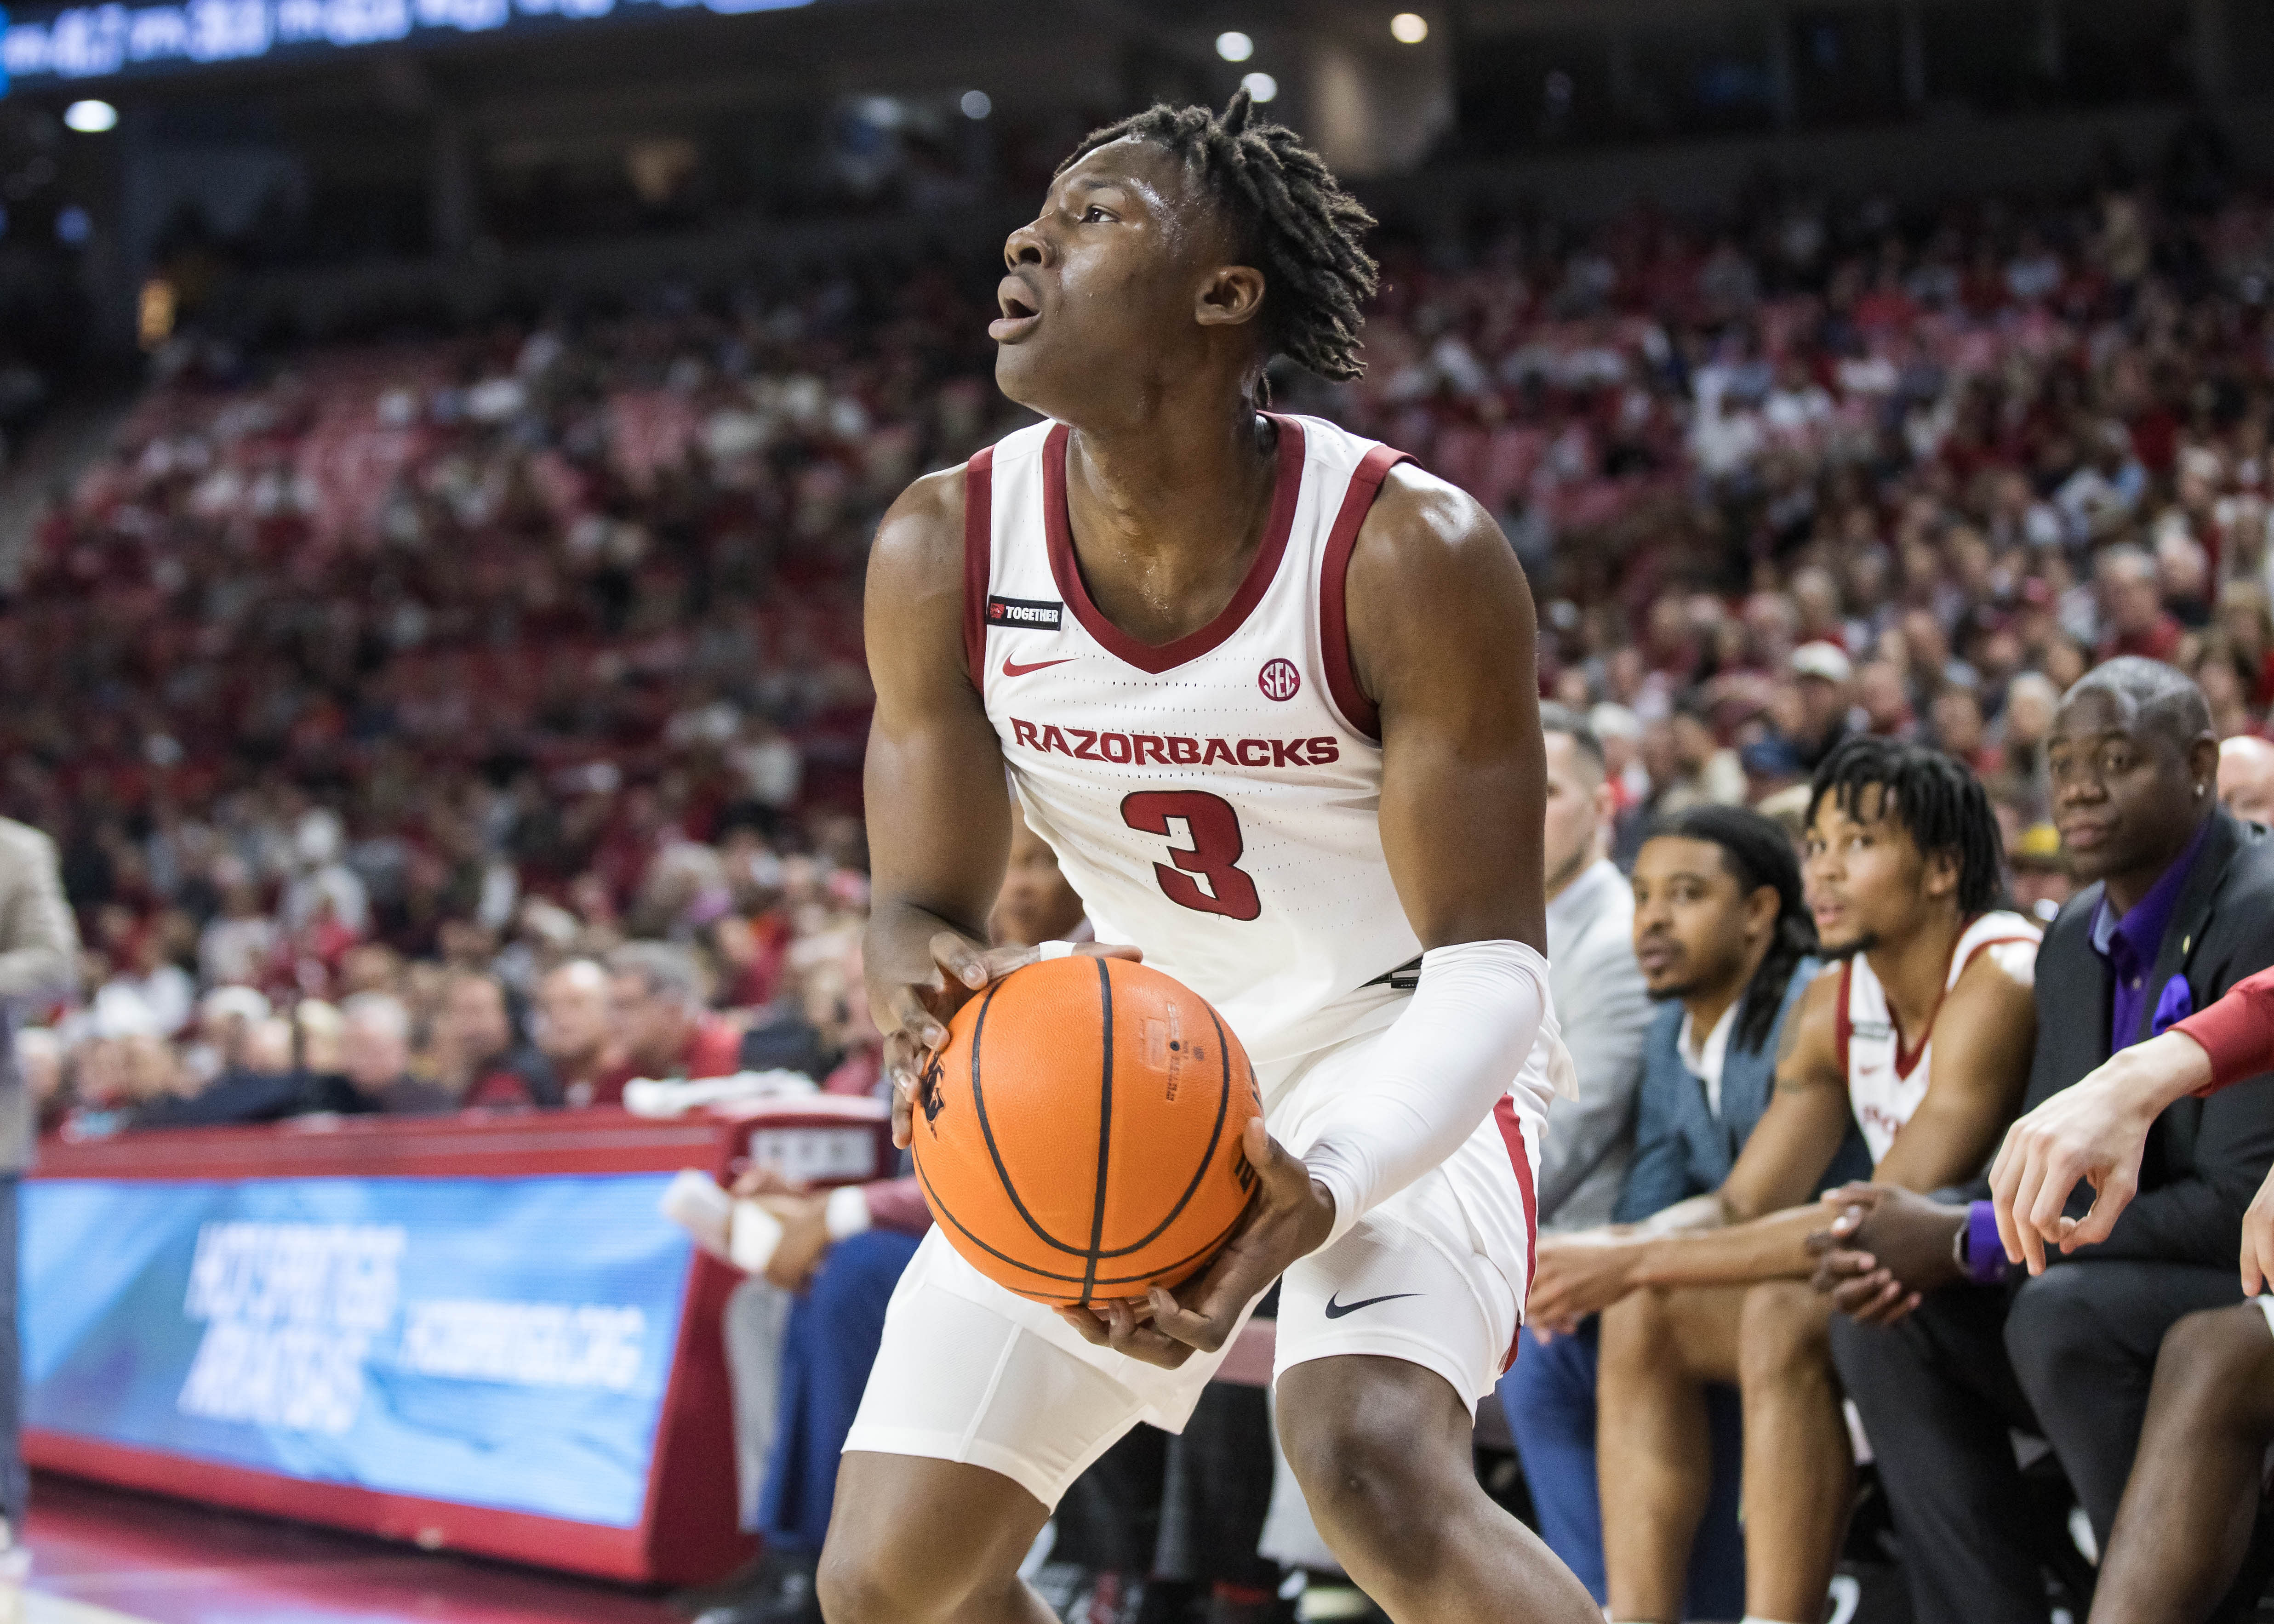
x: 1442, y: 1065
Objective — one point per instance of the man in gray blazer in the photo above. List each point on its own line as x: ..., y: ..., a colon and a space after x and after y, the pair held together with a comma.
x: 1599, y: 998
x: 39, y: 963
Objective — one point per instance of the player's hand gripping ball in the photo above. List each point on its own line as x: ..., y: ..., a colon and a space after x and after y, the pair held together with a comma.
x: 1079, y: 1136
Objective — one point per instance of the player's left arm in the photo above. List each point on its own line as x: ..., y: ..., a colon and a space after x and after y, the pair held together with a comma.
x: 1984, y: 1036
x: 1442, y: 634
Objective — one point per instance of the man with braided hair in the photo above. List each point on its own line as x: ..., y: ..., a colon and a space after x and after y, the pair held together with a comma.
x: 1268, y: 694
x: 1920, y: 1038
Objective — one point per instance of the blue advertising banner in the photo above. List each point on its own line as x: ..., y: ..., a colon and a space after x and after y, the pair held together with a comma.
x: 501, y: 1343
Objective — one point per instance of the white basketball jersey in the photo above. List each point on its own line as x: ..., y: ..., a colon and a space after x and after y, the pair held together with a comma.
x: 1885, y: 1084
x: 1215, y: 801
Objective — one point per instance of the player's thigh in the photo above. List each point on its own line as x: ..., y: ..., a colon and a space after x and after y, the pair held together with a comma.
x: 1693, y: 1331
x: 1412, y: 1281
x: 913, y: 1537
x: 968, y: 1374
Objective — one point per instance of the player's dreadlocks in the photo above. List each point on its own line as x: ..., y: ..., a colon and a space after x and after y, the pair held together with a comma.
x: 1301, y: 227
x: 1942, y: 805
x: 1756, y: 852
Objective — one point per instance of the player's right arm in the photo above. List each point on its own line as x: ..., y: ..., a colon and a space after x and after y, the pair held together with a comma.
x: 938, y: 806
x: 938, y: 801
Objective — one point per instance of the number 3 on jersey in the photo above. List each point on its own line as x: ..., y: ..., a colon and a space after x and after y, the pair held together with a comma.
x: 1213, y: 828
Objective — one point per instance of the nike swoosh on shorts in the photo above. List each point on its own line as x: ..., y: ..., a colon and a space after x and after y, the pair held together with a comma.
x: 1335, y: 1311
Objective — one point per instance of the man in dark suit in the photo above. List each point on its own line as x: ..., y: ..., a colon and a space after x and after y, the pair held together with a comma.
x: 1942, y: 1352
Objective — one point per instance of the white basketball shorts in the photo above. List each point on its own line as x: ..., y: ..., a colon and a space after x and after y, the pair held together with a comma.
x: 1435, y: 1276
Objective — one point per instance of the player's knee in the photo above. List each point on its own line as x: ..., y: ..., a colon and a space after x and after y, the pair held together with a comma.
x: 866, y: 1582
x: 1632, y: 1333
x: 2218, y: 1361
x: 1371, y: 1490
x: 1782, y: 1336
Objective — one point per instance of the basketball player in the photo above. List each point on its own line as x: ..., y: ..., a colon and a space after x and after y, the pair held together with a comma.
x: 1269, y: 696
x: 1923, y: 1034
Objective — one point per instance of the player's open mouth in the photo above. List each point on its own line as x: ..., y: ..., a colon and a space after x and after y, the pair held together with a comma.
x: 1020, y: 315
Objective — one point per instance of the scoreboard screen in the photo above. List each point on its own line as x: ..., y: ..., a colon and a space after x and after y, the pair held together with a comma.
x: 43, y: 49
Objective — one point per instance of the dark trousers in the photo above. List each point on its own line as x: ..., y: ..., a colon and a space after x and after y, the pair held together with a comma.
x: 834, y: 1331
x: 2069, y: 1355
x: 1549, y: 1395
x: 15, y: 1481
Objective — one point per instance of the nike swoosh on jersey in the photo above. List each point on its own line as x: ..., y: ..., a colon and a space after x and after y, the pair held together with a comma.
x: 1335, y: 1311
x: 1011, y: 668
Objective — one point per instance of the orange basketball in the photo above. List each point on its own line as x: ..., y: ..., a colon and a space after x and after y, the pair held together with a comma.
x: 1079, y: 1136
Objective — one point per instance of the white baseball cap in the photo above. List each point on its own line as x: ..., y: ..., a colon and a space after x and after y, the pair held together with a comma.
x: 1821, y: 660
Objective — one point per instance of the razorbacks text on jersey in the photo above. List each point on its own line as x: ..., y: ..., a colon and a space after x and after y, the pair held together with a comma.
x: 1884, y: 1083
x: 1215, y: 801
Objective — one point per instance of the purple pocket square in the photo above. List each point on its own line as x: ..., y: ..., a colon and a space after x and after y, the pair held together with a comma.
x: 2176, y: 1004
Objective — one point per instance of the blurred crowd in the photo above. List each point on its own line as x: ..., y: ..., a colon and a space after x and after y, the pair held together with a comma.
x: 476, y: 722
x: 1842, y: 470
x: 383, y: 667
x: 364, y: 692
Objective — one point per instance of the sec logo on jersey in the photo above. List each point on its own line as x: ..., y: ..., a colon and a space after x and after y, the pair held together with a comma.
x: 1279, y: 679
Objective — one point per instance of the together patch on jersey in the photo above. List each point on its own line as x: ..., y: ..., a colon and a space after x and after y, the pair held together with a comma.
x: 1038, y: 613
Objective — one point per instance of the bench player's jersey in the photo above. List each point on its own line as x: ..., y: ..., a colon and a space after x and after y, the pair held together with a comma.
x: 1215, y: 801
x: 1885, y: 1084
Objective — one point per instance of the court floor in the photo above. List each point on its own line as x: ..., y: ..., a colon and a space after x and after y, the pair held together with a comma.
x: 103, y: 1556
